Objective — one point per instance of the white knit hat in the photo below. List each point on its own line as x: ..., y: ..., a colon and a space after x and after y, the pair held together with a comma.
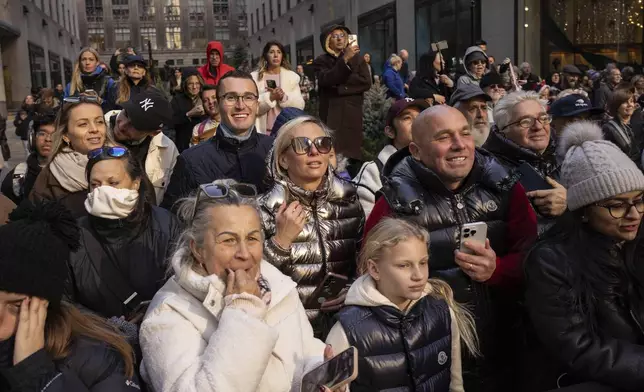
x: 594, y: 169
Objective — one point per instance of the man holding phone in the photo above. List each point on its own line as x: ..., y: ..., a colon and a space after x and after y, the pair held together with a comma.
x: 442, y: 184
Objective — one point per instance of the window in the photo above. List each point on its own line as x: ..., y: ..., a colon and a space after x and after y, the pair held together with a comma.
x: 203, y: 61
x: 122, y: 37
x: 279, y: 8
x: 173, y: 37
x: 198, y: 37
x: 149, y: 34
x: 222, y: 34
x: 252, y: 24
x: 55, y: 70
x: 377, y: 35
x: 120, y: 10
x: 197, y: 26
x: 64, y: 21
x: 96, y: 38
x: 179, y: 61
x: 264, y: 13
x: 170, y: 62
x: 304, y: 50
x: 67, y: 67
x: 257, y: 18
x: 37, y: 66
x: 94, y: 10
x: 172, y: 11
x: 220, y: 9
x: 195, y: 61
x: 288, y: 4
x: 69, y: 21
x: 196, y: 10
x: 270, y: 9
x: 57, y: 11
x: 147, y: 12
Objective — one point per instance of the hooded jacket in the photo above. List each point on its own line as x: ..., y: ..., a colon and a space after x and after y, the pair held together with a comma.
x: 195, y: 338
x: 393, y: 81
x: 221, y: 69
x: 370, y: 178
x: 329, y: 241
x: 101, y: 82
x: 469, y: 77
x: 363, y: 295
x: 341, y: 88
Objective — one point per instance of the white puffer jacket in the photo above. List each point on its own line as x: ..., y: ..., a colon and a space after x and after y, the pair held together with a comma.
x: 369, y: 177
x: 194, y: 339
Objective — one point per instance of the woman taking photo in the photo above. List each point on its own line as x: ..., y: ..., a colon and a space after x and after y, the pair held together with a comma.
x: 312, y: 219
x: 188, y: 108
x: 88, y: 75
x: 125, y: 240
x: 46, y: 344
x: 135, y: 80
x: 618, y: 130
x: 23, y: 120
x: 226, y: 320
x: 585, y: 288
x: 391, y: 78
x: 80, y: 128
x: 279, y: 86
x: 430, y: 83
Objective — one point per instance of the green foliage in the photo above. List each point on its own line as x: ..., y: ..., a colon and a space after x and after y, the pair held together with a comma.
x: 239, y: 56
x: 374, y: 112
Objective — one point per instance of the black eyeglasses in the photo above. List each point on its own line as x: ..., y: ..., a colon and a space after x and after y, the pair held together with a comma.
x: 302, y: 145
x: 112, y: 152
x: 222, y: 191
x: 230, y: 99
x: 528, y: 122
x: 621, y: 209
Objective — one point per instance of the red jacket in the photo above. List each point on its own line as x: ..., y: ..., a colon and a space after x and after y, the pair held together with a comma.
x: 222, y: 68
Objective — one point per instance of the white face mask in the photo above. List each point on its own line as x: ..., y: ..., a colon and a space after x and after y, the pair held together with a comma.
x: 111, y: 203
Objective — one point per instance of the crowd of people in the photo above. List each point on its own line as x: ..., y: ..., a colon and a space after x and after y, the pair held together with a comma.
x: 179, y: 240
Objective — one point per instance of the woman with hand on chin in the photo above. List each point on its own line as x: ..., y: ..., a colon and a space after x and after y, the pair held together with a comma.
x: 80, y: 128
x: 45, y: 344
x: 275, y: 68
x: 312, y: 219
x: 226, y: 320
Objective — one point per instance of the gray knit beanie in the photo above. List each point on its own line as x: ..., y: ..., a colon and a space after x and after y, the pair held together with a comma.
x: 594, y: 169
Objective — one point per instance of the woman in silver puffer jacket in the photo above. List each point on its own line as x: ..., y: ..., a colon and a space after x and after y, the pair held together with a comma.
x: 312, y: 219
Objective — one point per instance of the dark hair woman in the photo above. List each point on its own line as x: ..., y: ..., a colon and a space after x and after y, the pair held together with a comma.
x: 187, y: 107
x: 46, y: 344
x: 175, y: 81
x: 134, y: 81
x: 125, y: 240
x: 88, y: 75
x: 585, y: 287
x: 23, y: 119
x: 619, y: 129
x: 429, y: 83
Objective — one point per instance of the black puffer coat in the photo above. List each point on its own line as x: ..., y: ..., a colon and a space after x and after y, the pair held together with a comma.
x: 604, y: 342
x: 400, y: 351
x: 329, y: 241
x: 138, y: 251
x: 623, y: 136
x: 91, y: 366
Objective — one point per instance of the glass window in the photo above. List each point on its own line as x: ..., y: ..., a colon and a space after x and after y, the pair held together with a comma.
x: 57, y: 11
x: 172, y: 10
x: 203, y: 61
x: 377, y: 35
x: 173, y: 37
x: 279, y: 7
x: 55, y: 70
x: 170, y: 62
x: 264, y: 13
x: 94, y: 10
x: 67, y: 67
x: 270, y: 9
x: 122, y: 37
x: 149, y: 34
x: 257, y: 18
x: 147, y: 11
x: 222, y: 34
x: 195, y: 61
x: 37, y: 66
x: 179, y: 61
x: 96, y: 37
x: 198, y: 37
x: 196, y: 9
x: 288, y: 4
x: 220, y: 9
x: 304, y: 50
x: 252, y: 24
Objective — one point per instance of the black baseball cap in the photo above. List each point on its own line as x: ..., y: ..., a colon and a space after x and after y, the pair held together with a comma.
x: 148, y: 110
x: 400, y: 105
x: 573, y: 105
x: 134, y: 59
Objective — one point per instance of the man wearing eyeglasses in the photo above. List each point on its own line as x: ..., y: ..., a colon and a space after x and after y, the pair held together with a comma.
x: 343, y: 77
x: 236, y: 151
x: 522, y: 135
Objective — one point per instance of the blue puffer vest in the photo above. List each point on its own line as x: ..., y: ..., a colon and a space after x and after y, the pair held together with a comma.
x: 400, y: 352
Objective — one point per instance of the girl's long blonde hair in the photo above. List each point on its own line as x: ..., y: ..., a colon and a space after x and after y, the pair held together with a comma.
x: 390, y: 232
x: 76, y: 84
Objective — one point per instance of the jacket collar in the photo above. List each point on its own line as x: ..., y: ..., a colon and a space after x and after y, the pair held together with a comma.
x: 501, y: 146
x: 385, y: 153
x: 115, y: 230
x: 230, y: 144
x: 159, y: 141
x: 363, y: 292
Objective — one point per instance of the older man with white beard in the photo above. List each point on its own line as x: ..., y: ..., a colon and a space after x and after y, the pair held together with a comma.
x: 470, y: 100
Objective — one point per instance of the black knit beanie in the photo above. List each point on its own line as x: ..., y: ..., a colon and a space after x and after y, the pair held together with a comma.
x: 34, y: 250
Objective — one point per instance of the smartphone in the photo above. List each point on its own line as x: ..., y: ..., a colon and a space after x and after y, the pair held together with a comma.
x: 531, y: 179
x: 328, y: 289
x: 271, y: 84
x: 473, y: 232
x: 334, y: 373
x: 353, y: 39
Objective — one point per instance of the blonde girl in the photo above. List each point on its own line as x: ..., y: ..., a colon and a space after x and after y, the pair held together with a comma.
x: 88, y: 75
x: 407, y: 328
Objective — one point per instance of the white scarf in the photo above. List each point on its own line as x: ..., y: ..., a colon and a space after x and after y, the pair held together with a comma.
x: 111, y: 203
x: 68, y: 168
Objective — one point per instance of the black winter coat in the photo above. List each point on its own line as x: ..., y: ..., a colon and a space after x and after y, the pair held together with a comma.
x: 28, y: 181
x: 622, y: 136
x: 138, y: 251
x: 604, y: 343
x: 217, y: 159
x: 182, y: 104
x: 400, y: 351
x: 91, y: 366
x: 423, y: 88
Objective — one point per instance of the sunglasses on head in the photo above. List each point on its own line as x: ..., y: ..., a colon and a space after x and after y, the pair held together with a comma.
x: 302, y: 145
x: 112, y: 152
x: 222, y: 191
x: 83, y: 99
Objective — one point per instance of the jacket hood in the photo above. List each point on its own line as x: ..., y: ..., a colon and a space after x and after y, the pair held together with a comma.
x: 363, y: 292
x: 468, y: 53
x: 219, y: 47
x: 324, y: 37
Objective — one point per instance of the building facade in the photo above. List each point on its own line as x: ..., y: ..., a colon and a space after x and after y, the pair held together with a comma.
x: 177, y: 30
x: 39, y: 41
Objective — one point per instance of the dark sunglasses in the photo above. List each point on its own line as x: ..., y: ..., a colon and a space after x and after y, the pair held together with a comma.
x: 82, y: 99
x: 302, y: 145
x: 221, y: 191
x: 112, y: 152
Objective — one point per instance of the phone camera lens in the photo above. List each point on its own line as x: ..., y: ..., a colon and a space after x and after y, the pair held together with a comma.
x: 466, y: 230
x: 473, y: 232
x: 466, y: 235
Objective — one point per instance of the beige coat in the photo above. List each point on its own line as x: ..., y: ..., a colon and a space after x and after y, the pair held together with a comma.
x: 159, y: 164
x: 290, y: 83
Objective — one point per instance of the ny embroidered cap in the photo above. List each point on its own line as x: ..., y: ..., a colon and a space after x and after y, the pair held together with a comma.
x: 148, y: 110
x: 573, y: 105
x: 401, y: 105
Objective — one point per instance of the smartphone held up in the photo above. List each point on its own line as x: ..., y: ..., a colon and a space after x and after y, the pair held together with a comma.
x: 353, y: 40
x: 334, y: 373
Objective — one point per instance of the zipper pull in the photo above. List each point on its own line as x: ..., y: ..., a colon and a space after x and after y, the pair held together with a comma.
x: 459, y: 203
